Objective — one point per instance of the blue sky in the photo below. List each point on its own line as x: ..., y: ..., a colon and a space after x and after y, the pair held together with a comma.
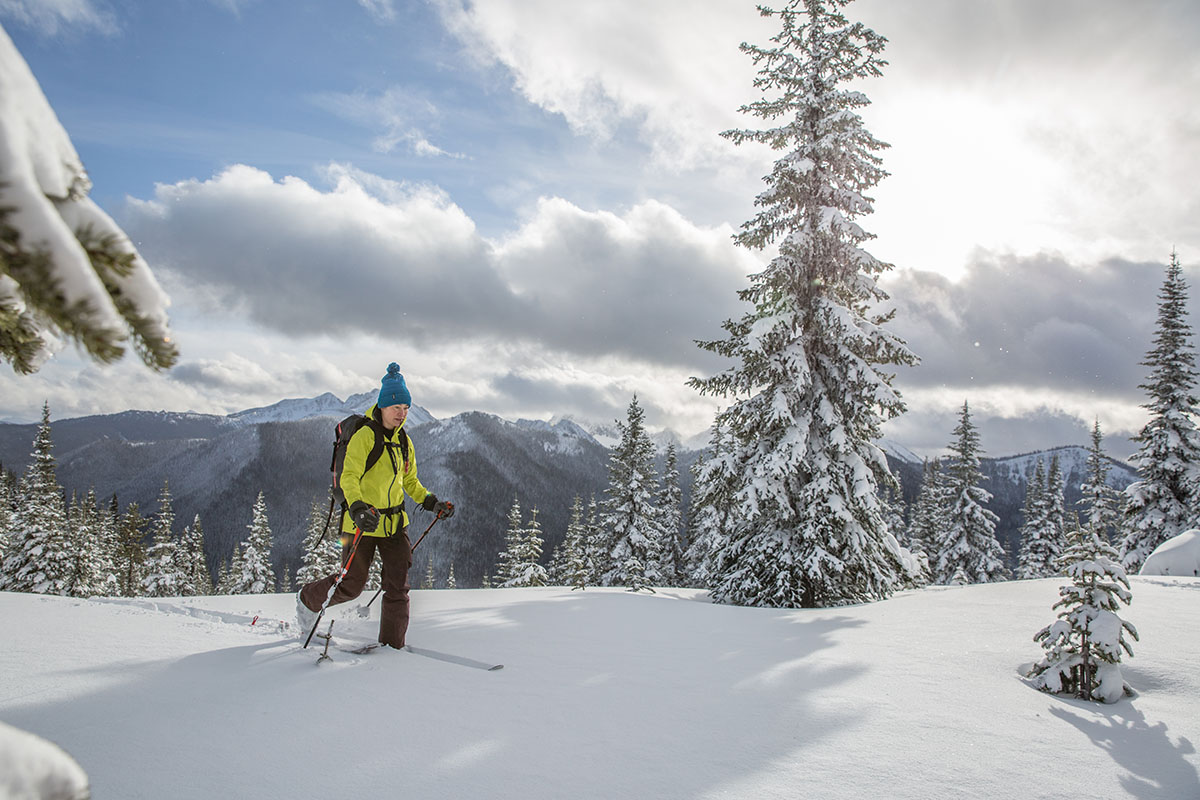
x: 526, y: 203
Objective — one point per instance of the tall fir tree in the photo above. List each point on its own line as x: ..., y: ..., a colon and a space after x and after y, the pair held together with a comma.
x: 810, y: 385
x: 1083, y: 647
x: 104, y: 522
x: 929, y: 513
x: 967, y: 548
x: 253, y: 573
x: 40, y: 558
x: 914, y: 564
x: 630, y: 511
x: 526, y: 569
x: 670, y: 508
x: 193, y: 561
x: 130, y: 551
x: 93, y: 560
x: 1100, y: 503
x: 108, y: 523
x: 321, y: 551
x: 225, y: 572
x: 1043, y: 533
x: 1056, y: 509
x: 507, y: 566
x: 1166, y: 501
x: 163, y: 577
x: 576, y: 571
x: 713, y: 487
x: 7, y: 498
x: 597, y: 544
x: 1036, y: 558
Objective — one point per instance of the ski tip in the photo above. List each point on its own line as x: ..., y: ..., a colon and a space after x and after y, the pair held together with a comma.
x: 493, y: 669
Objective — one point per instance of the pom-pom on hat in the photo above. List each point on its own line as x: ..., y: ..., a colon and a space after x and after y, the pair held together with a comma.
x: 392, y: 390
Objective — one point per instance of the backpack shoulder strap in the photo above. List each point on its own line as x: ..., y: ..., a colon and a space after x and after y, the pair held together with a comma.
x: 377, y: 448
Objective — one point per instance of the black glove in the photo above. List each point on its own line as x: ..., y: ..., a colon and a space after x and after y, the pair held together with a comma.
x: 364, y: 516
x: 440, y: 507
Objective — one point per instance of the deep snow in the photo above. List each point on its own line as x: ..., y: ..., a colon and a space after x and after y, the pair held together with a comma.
x: 1176, y: 556
x: 604, y: 694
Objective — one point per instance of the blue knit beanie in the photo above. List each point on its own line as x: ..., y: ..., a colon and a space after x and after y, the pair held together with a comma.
x: 392, y: 390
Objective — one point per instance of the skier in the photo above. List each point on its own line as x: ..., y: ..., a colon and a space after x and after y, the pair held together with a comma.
x: 374, y: 505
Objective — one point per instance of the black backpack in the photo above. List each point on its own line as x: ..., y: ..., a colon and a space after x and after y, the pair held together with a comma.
x: 344, y: 431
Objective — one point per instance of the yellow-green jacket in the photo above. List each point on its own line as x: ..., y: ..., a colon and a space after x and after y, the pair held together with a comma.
x: 385, y: 484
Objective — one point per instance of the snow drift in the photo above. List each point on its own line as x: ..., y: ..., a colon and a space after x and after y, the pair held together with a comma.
x: 1179, y: 555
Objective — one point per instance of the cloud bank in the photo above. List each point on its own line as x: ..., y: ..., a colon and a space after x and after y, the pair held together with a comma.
x: 577, y: 309
x: 375, y: 257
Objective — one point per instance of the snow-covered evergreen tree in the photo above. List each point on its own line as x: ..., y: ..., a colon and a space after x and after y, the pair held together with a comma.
x: 107, y: 522
x: 93, y: 562
x: 507, y: 566
x: 193, y: 562
x: 131, y: 551
x: 598, y: 542
x: 451, y: 582
x: 914, y: 572
x: 65, y: 267
x: 670, y: 508
x: 163, y: 577
x: 1100, y: 502
x: 896, y: 511
x: 630, y: 513
x: 321, y: 550
x: 7, y: 498
x: 929, y: 513
x: 251, y: 573
x: 428, y: 582
x: 227, y: 571
x: 810, y: 385
x: 968, y: 545
x: 1083, y: 647
x: 1043, y: 534
x: 1038, y: 557
x: 1166, y: 501
x: 575, y: 568
x: 713, y: 488
x: 527, y: 571
x: 41, y: 559
x: 1056, y: 507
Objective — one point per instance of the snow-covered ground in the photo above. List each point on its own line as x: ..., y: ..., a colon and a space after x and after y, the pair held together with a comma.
x: 604, y: 694
x: 1177, y: 556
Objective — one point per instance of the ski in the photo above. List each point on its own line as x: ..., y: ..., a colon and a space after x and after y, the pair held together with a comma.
x: 360, y: 648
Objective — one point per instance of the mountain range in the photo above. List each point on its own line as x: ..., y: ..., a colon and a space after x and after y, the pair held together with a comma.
x: 216, y: 465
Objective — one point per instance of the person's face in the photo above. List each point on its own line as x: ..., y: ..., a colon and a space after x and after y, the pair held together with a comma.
x: 394, y: 415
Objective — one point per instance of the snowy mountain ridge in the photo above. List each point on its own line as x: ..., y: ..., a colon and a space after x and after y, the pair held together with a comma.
x: 1072, y: 460
x: 323, y: 405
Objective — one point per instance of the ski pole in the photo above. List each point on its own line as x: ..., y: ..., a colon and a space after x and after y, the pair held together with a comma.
x: 427, y: 530
x: 365, y: 610
x: 336, y: 584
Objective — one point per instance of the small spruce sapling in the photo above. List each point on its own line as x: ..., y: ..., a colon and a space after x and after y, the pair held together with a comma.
x: 1083, y: 647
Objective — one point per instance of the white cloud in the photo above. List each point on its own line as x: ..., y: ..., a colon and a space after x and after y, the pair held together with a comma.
x: 399, y: 114
x: 1014, y: 126
x: 382, y: 10
x: 375, y: 256
x: 49, y: 17
x: 673, y: 72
